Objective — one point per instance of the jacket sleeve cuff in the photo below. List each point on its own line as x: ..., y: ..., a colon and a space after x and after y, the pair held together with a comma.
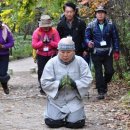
x: 116, y: 50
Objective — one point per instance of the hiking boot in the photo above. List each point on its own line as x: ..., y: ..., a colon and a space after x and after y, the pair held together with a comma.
x: 101, y: 96
x: 5, y: 88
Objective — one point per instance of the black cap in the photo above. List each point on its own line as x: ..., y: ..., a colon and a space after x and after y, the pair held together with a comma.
x: 100, y: 9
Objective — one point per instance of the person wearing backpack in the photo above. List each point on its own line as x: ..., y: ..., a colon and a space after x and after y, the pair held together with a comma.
x: 6, y: 42
x: 71, y: 25
x: 102, y: 39
x: 45, y: 41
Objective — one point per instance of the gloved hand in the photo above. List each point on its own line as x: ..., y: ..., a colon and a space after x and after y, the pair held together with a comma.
x: 116, y: 55
x: 45, y: 39
x: 72, y: 83
x: 67, y: 81
x: 62, y: 83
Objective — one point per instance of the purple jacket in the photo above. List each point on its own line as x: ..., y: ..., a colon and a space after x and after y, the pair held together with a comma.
x: 8, y: 43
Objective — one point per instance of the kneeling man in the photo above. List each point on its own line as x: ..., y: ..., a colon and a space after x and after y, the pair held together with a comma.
x: 65, y: 80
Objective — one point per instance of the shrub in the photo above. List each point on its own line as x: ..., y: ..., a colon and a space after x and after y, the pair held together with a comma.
x: 22, y: 48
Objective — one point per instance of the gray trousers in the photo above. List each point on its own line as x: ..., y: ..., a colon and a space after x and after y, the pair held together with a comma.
x: 54, y: 113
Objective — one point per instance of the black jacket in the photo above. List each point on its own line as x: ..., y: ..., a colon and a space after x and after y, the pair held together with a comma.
x: 77, y: 32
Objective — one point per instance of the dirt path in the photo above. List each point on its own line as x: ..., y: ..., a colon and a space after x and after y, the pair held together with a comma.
x: 23, y: 65
x: 23, y: 108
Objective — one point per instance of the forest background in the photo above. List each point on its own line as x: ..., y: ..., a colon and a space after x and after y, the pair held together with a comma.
x: 22, y: 17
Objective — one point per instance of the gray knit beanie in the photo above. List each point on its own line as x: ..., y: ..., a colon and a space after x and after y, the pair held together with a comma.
x: 66, y: 44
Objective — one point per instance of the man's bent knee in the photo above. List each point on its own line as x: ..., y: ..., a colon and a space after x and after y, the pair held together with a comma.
x: 54, y: 123
x: 76, y: 125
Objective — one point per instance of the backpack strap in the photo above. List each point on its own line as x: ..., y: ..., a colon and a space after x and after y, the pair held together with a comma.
x: 92, y: 26
x: 110, y: 24
x: 39, y: 34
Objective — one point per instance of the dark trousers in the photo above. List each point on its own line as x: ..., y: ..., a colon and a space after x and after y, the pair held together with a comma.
x: 103, y: 77
x: 86, y: 58
x: 41, y: 62
x: 4, y: 61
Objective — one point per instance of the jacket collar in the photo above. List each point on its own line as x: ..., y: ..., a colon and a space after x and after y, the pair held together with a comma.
x: 105, y: 21
x: 74, y: 23
x: 66, y: 63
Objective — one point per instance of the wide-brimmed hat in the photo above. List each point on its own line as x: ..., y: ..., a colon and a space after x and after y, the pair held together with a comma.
x: 100, y: 9
x: 45, y: 21
x: 66, y: 44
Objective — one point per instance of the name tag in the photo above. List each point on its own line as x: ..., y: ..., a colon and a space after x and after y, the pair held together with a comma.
x: 46, y: 49
x: 103, y: 43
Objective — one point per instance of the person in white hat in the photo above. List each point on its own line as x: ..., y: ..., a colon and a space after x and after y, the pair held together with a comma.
x: 65, y: 80
x: 45, y: 41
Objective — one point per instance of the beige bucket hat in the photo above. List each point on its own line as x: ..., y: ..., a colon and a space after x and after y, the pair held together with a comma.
x: 45, y: 21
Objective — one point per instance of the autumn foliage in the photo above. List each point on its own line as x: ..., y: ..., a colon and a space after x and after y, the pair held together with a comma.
x: 87, y: 7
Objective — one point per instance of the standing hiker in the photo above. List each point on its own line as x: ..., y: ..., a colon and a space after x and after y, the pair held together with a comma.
x: 45, y: 41
x: 71, y: 25
x: 102, y: 39
x: 6, y: 42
